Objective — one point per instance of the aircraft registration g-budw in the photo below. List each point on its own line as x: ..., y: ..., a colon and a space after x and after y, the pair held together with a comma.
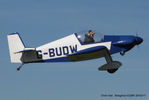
x: 72, y: 48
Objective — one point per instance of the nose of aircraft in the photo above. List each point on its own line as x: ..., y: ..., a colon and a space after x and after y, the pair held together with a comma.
x: 139, y: 40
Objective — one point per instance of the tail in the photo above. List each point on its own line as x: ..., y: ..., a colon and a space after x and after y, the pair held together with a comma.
x: 15, y: 45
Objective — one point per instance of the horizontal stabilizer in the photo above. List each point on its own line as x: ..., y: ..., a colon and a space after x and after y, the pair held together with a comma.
x: 26, y: 50
x: 112, y: 65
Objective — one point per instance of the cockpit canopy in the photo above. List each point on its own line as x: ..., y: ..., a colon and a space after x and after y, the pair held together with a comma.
x: 97, y: 36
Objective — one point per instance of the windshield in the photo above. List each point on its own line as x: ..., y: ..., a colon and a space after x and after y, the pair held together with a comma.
x: 89, y: 36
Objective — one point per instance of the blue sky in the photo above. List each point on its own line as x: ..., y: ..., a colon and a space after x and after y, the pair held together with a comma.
x: 42, y: 21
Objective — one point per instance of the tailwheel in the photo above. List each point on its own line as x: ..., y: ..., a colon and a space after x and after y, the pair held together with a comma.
x: 111, y: 71
x: 18, y: 69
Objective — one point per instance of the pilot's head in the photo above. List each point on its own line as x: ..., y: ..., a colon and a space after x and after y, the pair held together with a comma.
x: 91, y: 33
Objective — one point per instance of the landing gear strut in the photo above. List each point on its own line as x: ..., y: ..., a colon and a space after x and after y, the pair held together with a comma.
x: 18, y: 69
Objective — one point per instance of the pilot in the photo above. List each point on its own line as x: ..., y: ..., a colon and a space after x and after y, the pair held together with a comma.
x: 89, y: 37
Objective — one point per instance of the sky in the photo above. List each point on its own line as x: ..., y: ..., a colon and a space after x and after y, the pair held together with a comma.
x: 43, y: 21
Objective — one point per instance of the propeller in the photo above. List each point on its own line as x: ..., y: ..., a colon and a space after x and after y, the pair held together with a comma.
x: 138, y: 40
x: 138, y: 47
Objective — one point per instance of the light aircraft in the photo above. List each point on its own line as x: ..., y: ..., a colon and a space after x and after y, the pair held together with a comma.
x: 72, y: 49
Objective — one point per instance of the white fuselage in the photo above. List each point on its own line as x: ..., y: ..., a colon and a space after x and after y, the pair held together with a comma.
x: 66, y: 46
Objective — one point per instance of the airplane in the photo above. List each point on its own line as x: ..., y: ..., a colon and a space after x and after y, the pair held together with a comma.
x: 73, y: 49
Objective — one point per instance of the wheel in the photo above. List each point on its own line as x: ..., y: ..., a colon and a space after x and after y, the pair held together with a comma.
x: 112, y: 70
x: 122, y: 53
x: 18, y: 69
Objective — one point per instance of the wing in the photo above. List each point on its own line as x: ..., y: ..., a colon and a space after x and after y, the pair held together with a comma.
x: 86, y: 54
x: 97, y: 52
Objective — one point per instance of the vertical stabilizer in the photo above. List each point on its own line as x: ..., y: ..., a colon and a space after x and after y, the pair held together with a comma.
x: 15, y: 45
